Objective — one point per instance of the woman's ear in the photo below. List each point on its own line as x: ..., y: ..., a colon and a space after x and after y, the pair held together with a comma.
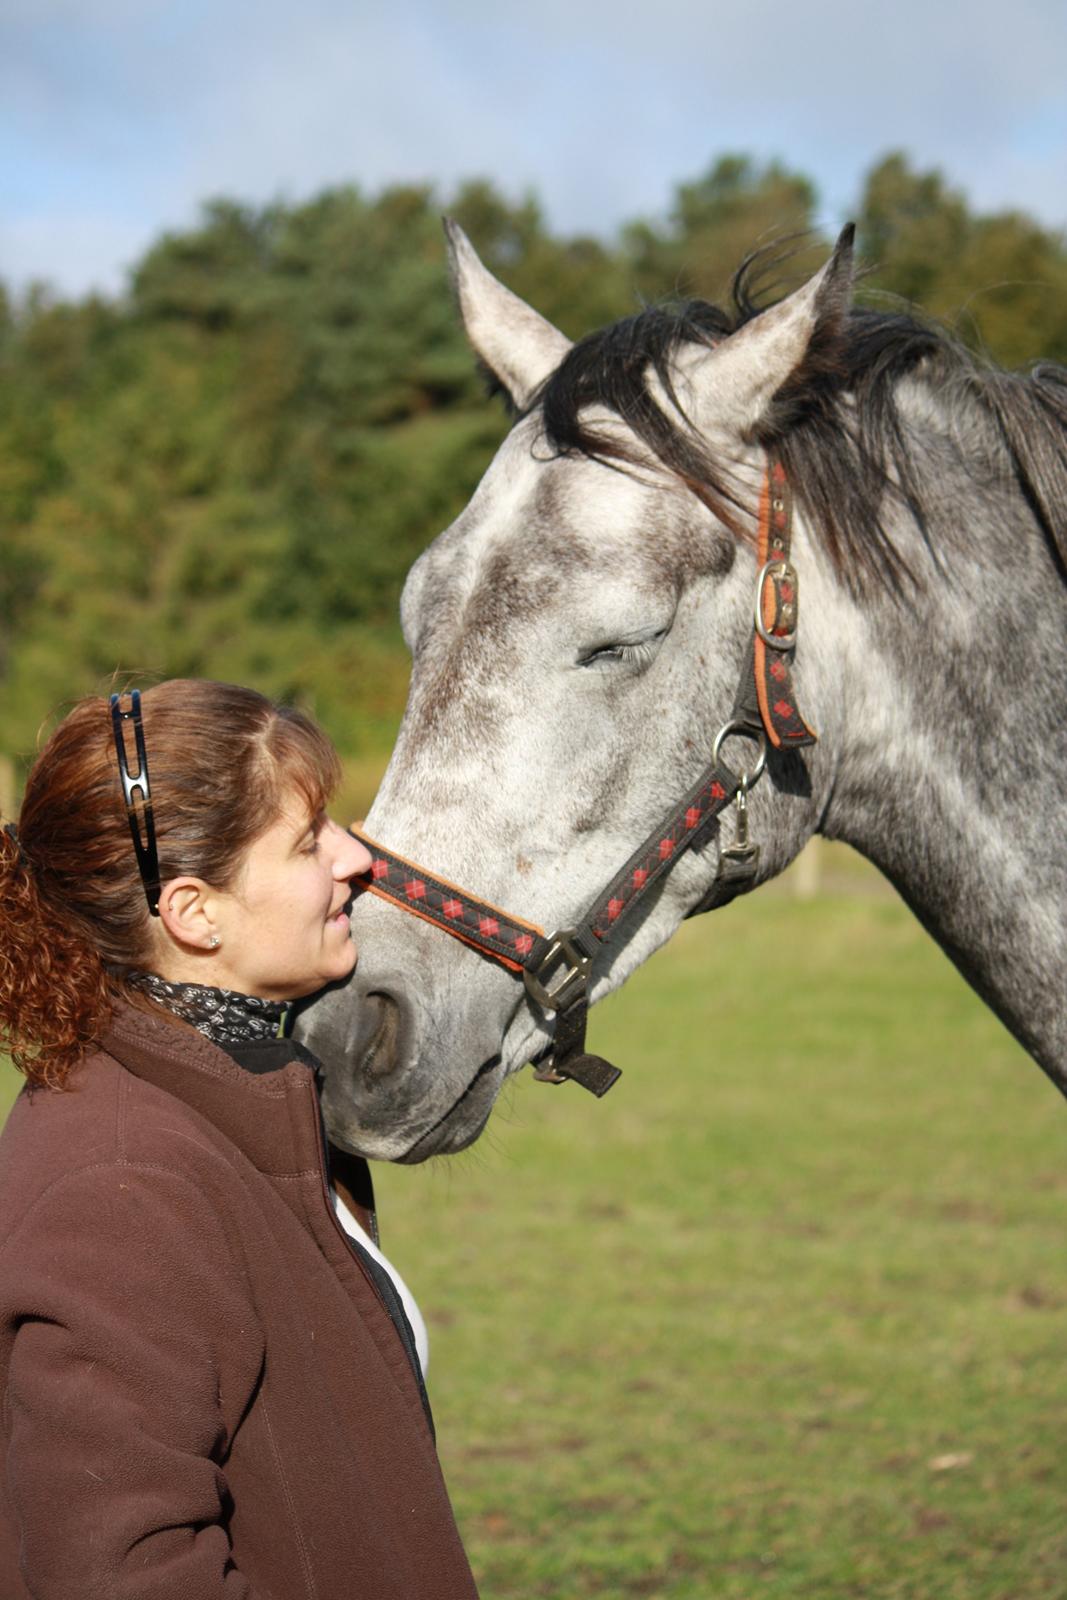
x: 187, y: 908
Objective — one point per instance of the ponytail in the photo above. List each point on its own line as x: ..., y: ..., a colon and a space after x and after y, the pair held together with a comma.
x: 54, y: 997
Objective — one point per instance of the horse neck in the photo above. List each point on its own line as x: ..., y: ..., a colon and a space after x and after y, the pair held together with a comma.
x: 950, y: 766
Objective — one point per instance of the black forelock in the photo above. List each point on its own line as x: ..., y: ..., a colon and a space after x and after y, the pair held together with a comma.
x: 611, y: 368
x: 837, y: 425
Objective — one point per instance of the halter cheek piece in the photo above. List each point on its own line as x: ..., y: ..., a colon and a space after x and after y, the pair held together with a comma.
x: 555, y: 967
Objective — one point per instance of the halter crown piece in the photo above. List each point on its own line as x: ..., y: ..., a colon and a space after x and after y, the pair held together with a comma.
x: 555, y: 967
x: 136, y: 791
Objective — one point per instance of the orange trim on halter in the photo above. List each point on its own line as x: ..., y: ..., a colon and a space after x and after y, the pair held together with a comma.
x: 455, y: 933
x: 761, y: 649
x: 768, y: 609
x: 370, y: 887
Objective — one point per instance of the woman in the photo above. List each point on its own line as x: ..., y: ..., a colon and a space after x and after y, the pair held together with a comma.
x: 208, y: 1389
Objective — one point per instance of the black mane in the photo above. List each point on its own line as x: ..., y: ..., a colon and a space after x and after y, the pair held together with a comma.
x: 844, y: 461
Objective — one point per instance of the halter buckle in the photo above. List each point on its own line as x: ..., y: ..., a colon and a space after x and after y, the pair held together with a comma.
x: 786, y: 604
x: 569, y: 983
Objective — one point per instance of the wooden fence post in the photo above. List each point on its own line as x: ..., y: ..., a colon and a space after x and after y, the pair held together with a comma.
x: 7, y: 788
x: 807, y: 871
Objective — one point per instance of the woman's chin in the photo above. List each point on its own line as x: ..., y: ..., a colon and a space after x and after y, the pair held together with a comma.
x: 343, y: 966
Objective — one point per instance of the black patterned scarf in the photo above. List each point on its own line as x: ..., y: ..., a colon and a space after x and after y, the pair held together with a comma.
x: 221, y: 1015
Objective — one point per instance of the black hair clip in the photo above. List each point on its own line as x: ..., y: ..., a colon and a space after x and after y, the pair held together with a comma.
x: 137, y: 785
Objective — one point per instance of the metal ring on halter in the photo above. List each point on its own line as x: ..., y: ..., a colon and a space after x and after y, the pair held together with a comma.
x: 743, y: 731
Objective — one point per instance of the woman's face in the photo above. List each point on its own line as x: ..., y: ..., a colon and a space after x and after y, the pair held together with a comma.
x: 283, y: 929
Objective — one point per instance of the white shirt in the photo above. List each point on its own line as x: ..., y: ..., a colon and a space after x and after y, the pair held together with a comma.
x: 414, y: 1316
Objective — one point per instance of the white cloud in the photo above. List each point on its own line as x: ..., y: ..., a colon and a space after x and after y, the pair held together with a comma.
x: 70, y: 252
x: 140, y: 108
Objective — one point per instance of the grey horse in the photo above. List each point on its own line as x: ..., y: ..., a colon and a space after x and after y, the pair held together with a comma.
x: 577, y: 635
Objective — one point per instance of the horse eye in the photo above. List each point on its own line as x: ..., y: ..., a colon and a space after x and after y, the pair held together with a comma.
x: 636, y: 653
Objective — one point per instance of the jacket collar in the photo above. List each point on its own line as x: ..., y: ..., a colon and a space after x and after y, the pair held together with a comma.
x: 271, y: 1117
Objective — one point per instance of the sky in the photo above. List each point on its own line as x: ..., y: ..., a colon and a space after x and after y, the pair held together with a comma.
x: 118, y: 118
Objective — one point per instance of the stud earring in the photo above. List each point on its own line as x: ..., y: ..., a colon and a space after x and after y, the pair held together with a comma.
x: 214, y: 941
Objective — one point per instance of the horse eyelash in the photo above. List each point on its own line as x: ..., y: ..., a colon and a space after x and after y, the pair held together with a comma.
x: 638, y: 655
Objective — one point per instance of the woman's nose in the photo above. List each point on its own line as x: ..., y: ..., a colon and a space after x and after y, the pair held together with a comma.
x: 352, y: 857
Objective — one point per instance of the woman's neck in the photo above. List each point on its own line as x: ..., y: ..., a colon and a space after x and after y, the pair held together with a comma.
x: 222, y: 1015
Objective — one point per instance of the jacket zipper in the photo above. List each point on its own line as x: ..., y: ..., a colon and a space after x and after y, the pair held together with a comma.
x: 412, y: 1354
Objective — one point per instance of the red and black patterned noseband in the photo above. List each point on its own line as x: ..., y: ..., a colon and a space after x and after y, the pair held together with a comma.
x: 556, y: 967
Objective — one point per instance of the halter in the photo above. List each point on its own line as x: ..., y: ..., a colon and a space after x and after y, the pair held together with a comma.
x: 555, y: 967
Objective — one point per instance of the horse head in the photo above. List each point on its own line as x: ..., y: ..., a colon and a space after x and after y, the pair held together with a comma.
x: 577, y: 636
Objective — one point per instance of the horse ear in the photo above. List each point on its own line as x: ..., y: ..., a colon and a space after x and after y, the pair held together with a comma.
x: 744, y: 387
x: 518, y: 346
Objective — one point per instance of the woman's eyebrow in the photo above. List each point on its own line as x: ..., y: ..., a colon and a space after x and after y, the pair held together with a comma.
x: 314, y: 825
x: 311, y: 826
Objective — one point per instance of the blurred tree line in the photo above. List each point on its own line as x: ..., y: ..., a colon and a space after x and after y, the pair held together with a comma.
x: 228, y: 471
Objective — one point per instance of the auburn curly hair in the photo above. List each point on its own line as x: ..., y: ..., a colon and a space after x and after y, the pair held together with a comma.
x: 73, y: 915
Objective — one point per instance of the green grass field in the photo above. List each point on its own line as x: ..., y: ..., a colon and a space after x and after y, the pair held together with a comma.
x: 784, y: 1315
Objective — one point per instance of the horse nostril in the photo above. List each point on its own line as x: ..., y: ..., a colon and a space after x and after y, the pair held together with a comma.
x: 380, y: 1054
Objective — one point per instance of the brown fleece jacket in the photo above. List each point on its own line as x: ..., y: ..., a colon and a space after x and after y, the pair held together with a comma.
x: 204, y: 1396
